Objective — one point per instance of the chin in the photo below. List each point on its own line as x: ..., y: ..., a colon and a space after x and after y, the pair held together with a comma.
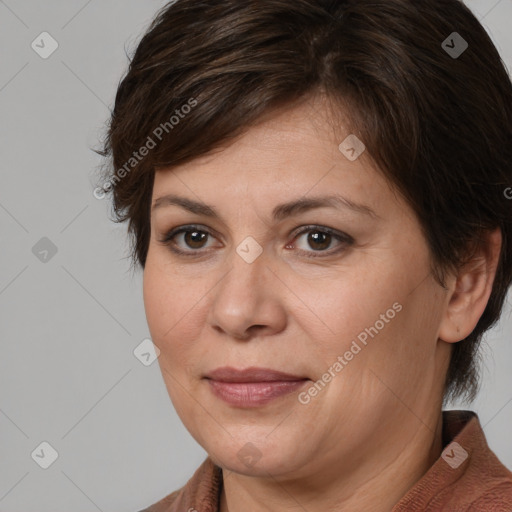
x: 246, y: 455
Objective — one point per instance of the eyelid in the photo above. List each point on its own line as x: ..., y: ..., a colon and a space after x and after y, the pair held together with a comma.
x: 324, y: 229
x: 188, y: 227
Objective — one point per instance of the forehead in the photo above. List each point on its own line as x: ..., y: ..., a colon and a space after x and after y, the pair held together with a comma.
x: 291, y: 153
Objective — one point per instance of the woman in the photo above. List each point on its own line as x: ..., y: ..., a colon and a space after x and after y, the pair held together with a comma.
x: 316, y: 191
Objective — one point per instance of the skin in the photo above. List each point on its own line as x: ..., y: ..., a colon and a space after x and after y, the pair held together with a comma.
x: 370, y: 434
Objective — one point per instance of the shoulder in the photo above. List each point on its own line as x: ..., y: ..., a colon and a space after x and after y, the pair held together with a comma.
x: 467, y: 476
x: 482, y: 482
x: 497, y: 498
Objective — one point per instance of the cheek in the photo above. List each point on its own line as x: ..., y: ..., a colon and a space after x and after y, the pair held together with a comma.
x: 156, y: 300
x: 172, y: 307
x: 338, y: 309
x: 168, y: 302
x: 369, y: 324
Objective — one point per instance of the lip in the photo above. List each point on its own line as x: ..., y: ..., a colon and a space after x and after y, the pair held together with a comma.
x: 251, y: 374
x: 252, y: 387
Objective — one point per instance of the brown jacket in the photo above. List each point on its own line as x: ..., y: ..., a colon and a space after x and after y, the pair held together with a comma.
x: 467, y: 477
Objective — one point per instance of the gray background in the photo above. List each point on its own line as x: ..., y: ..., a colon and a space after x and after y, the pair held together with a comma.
x: 69, y: 325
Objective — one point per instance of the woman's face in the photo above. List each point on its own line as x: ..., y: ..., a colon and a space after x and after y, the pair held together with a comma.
x: 333, y: 295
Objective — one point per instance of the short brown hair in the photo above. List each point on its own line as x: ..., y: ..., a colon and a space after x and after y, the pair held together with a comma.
x: 438, y: 125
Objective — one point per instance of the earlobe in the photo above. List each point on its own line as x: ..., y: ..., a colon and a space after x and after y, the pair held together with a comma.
x: 470, y: 292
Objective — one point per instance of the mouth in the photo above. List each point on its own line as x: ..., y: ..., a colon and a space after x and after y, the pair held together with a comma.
x: 252, y: 387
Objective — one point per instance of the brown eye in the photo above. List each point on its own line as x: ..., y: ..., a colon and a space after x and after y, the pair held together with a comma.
x: 186, y: 240
x: 195, y: 239
x: 320, y: 239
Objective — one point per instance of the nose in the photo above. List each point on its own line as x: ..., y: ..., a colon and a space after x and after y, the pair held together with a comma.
x: 248, y: 300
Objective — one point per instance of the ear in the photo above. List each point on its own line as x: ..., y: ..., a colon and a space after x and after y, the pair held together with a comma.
x: 471, y: 290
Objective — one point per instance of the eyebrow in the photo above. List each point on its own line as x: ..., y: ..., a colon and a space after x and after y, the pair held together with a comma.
x: 280, y: 212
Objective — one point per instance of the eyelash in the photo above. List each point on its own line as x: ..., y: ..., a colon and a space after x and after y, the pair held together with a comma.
x: 346, y: 240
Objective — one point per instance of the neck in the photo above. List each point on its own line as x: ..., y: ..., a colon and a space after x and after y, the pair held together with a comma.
x: 373, y: 484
